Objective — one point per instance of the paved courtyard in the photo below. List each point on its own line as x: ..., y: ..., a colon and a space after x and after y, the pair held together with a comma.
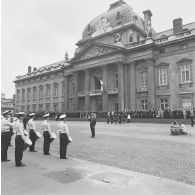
x: 145, y: 148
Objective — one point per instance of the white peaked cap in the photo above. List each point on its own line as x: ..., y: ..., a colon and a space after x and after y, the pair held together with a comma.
x: 32, y: 114
x: 63, y: 116
x: 6, y: 112
x: 46, y: 115
x: 20, y: 113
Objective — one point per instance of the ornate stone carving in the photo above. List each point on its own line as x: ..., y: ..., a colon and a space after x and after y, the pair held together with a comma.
x: 122, y: 18
x: 95, y: 51
x: 102, y: 27
x: 117, y: 37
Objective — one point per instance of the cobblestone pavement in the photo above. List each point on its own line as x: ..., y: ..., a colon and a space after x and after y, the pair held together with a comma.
x: 146, y: 148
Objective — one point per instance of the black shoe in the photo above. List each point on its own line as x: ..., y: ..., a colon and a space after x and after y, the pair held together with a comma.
x: 20, y: 165
x: 32, y: 150
x: 63, y: 158
x: 6, y: 160
x: 47, y: 154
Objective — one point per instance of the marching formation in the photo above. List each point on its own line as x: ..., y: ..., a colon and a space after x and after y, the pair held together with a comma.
x: 23, y: 139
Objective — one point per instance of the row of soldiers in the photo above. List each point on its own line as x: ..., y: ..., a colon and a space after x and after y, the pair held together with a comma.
x: 22, y: 140
x: 167, y: 113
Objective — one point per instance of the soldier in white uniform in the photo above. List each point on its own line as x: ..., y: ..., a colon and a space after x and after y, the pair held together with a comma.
x: 46, y: 134
x: 65, y: 138
x: 5, y: 135
x: 32, y: 132
x: 19, y: 139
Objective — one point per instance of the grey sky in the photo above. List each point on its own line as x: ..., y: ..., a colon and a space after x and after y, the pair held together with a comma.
x: 39, y: 32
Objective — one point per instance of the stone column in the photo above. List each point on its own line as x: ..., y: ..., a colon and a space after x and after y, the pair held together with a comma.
x: 87, y: 90
x: 66, y: 93
x: 105, y: 92
x: 151, y: 84
x: 132, y: 86
x: 127, y: 86
x: 75, y: 74
x: 121, y: 87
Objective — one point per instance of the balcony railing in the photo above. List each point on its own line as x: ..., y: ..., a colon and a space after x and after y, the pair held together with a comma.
x: 47, y: 98
x: 175, y: 37
x: 81, y: 93
x: 143, y: 89
x: 112, y: 90
x: 95, y: 92
x: 40, y: 99
x: 55, y: 98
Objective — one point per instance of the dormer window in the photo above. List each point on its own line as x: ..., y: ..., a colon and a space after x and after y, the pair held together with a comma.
x: 138, y: 38
x: 131, y: 39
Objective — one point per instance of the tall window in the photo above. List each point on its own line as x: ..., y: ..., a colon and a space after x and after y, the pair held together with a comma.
x: 116, y: 80
x: 28, y: 108
x: 187, y: 102
x: 63, y: 89
x: 55, y: 90
x: 48, y: 87
x: 144, y: 104
x: 143, y: 79
x: 164, y: 103
x: 185, y: 73
x: 34, y: 107
x: 18, y: 95
x: 40, y: 92
x: 28, y: 93
x: 40, y: 107
x: 55, y: 107
x: 163, y: 76
x: 47, y: 107
x: 34, y: 92
x: 23, y: 94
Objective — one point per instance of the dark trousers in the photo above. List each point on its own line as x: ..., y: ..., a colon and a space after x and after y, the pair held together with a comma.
x: 11, y: 133
x: 32, y: 136
x: 192, y: 121
x: 5, y: 137
x: 63, y: 144
x: 46, y: 143
x: 19, y: 147
x: 92, y: 131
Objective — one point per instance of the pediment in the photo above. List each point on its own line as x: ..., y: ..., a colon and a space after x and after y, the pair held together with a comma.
x: 95, y: 50
x: 184, y: 60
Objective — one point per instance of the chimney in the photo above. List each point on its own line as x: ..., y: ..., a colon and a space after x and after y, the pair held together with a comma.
x: 177, y: 26
x: 34, y: 69
x: 29, y: 69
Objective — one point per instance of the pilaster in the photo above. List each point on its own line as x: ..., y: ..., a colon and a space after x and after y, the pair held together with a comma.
x: 121, y: 86
x: 75, y: 91
x: 105, y: 92
x: 87, y: 90
x: 151, y: 84
x: 132, y: 86
x: 66, y: 93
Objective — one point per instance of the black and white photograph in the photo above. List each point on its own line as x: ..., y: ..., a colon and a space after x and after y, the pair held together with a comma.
x: 97, y: 97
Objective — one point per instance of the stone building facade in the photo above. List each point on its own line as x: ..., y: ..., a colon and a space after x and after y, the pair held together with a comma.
x: 139, y: 68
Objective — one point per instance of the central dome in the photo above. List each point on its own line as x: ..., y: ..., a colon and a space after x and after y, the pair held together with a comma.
x: 119, y: 14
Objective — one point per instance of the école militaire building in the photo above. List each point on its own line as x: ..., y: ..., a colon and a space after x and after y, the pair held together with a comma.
x: 140, y: 68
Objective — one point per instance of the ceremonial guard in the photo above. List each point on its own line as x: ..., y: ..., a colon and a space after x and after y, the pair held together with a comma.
x: 32, y: 132
x: 65, y: 138
x: 19, y: 139
x: 92, y: 125
x: 5, y: 135
x: 46, y: 134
